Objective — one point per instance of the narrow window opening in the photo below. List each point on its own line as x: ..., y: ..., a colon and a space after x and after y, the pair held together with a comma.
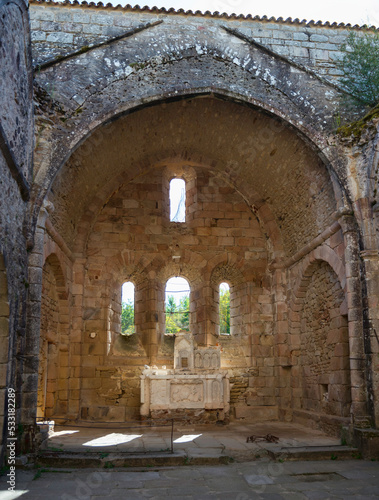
x: 177, y: 197
x: 177, y: 300
x: 127, y: 309
x: 224, y: 308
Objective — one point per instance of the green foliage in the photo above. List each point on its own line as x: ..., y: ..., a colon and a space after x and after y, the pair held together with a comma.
x: 224, y: 311
x: 360, y: 64
x: 38, y: 474
x: 177, y: 315
x: 127, y: 318
x: 171, y: 305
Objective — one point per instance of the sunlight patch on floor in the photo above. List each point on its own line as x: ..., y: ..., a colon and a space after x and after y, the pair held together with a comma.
x: 12, y: 495
x: 112, y: 439
x: 186, y: 438
x: 62, y: 433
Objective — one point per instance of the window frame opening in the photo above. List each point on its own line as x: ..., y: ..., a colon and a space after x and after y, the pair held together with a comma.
x: 179, y: 215
x: 177, y: 312
x: 224, y: 308
x: 129, y: 310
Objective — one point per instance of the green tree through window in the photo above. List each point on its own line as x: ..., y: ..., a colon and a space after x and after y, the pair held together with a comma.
x: 127, y: 309
x: 224, y: 308
x: 177, y: 305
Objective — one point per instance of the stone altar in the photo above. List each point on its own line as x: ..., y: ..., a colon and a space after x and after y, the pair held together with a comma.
x: 196, y: 382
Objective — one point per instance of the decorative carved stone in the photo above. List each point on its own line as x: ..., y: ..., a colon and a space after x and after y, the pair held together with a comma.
x: 195, y: 382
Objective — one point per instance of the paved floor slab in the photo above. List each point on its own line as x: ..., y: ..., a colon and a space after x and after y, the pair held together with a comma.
x: 227, y: 440
x: 321, y: 480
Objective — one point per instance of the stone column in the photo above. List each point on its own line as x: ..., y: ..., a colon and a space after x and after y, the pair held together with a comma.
x: 369, y: 220
x: 371, y: 263
x: 78, y: 340
x: 282, y: 345
x: 150, y: 294
x: 31, y: 354
x: 203, y: 314
x: 359, y: 393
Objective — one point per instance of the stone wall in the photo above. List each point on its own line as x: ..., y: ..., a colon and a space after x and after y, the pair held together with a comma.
x: 315, y: 372
x: 60, y: 29
x: 16, y: 144
x: 234, y: 103
x: 325, y: 378
x: 133, y: 240
x: 56, y: 362
x: 48, y: 375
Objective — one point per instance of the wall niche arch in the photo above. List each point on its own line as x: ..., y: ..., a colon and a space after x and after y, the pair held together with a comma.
x: 54, y: 353
x: 324, y: 363
x: 227, y: 273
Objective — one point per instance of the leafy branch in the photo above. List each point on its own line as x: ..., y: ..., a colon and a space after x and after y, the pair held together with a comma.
x: 360, y: 64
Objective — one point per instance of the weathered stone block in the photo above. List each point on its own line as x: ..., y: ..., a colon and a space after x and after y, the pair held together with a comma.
x: 80, y: 17
x: 65, y: 38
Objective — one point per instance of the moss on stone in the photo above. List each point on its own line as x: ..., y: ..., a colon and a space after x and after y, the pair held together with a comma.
x: 356, y: 128
x: 83, y: 49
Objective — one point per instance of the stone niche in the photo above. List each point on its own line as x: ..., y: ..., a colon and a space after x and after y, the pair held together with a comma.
x: 196, y: 383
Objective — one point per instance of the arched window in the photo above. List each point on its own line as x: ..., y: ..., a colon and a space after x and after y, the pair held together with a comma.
x: 177, y: 196
x: 224, y: 308
x: 127, y: 309
x: 177, y: 305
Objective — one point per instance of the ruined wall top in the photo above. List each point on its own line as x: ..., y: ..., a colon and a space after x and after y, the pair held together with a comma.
x: 60, y: 29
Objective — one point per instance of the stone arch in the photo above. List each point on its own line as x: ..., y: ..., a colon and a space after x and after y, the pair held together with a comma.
x: 84, y: 131
x: 4, y: 352
x: 124, y: 266
x: 54, y: 368
x: 323, y: 253
x: 232, y: 272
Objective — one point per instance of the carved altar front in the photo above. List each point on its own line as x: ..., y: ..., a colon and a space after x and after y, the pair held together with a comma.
x: 196, y: 382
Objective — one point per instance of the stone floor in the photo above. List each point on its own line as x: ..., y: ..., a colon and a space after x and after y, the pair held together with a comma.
x: 194, y: 441
x: 252, y: 476
x: 319, y: 480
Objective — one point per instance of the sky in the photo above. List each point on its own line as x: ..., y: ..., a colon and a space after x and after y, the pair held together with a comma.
x: 346, y: 11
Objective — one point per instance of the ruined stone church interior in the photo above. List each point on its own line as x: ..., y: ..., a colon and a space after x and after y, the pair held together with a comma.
x: 104, y: 108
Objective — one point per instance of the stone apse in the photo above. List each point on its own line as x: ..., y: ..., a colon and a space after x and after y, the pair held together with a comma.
x: 279, y: 205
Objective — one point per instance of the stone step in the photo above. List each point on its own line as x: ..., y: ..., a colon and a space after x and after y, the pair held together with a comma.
x: 72, y: 460
x: 257, y: 413
x: 277, y: 452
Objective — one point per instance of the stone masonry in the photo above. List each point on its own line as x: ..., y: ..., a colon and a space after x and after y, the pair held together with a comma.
x: 280, y: 204
x: 16, y: 153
